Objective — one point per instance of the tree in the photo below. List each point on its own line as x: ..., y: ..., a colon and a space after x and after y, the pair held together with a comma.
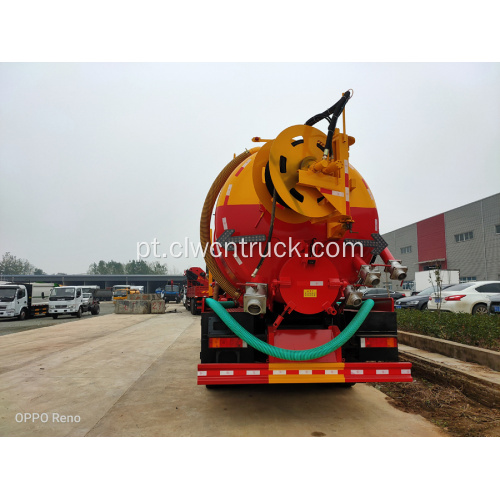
x: 10, y: 264
x: 131, y: 267
x: 137, y: 267
x: 115, y: 267
x: 157, y: 268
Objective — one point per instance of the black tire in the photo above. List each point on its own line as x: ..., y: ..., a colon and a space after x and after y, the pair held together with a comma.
x: 346, y: 385
x: 95, y: 310
x: 480, y: 309
x: 23, y: 315
x: 55, y: 316
x: 424, y: 306
x: 79, y: 313
x: 192, y: 307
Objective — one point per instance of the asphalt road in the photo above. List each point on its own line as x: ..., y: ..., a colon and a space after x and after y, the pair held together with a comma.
x: 135, y: 375
x: 8, y: 326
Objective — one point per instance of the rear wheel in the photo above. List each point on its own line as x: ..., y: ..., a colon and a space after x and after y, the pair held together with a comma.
x: 95, y: 310
x: 480, y: 309
x: 424, y: 306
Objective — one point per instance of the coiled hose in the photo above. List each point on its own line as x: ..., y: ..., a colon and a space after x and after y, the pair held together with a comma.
x: 206, y: 215
x: 291, y: 355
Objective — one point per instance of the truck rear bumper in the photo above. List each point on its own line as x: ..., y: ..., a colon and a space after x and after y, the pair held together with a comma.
x: 302, y: 373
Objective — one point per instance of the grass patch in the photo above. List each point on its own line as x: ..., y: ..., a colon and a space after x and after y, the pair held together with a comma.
x: 474, y: 330
x: 444, y: 406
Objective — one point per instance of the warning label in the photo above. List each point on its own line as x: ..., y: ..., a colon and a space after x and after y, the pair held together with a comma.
x: 310, y: 293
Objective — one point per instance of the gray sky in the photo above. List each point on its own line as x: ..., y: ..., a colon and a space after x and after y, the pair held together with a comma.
x: 95, y: 157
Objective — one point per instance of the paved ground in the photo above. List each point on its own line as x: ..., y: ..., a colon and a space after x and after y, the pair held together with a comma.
x: 127, y: 375
x: 8, y: 326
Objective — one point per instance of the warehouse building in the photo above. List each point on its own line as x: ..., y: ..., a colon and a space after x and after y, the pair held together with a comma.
x: 466, y: 239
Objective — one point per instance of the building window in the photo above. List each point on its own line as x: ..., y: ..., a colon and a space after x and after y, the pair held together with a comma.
x: 497, y: 229
x: 464, y: 236
x: 406, y: 249
x: 465, y: 279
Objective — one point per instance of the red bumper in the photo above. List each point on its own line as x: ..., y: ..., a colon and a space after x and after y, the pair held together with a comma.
x: 302, y: 373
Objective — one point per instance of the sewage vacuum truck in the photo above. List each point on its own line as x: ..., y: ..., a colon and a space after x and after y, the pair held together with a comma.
x: 295, y: 236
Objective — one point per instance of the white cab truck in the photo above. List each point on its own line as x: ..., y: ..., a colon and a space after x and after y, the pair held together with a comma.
x: 425, y: 279
x: 71, y: 300
x: 24, y: 300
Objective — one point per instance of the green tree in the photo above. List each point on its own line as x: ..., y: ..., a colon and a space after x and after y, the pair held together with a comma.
x: 132, y: 267
x: 115, y: 267
x: 10, y: 264
x: 157, y: 268
x: 137, y: 267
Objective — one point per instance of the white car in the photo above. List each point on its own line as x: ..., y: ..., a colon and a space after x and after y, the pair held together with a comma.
x: 472, y: 297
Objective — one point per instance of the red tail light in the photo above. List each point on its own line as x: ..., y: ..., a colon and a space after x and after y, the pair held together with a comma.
x: 226, y: 342
x: 379, y: 342
x: 454, y: 297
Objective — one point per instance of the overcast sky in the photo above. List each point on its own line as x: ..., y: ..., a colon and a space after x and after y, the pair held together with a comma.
x: 96, y: 157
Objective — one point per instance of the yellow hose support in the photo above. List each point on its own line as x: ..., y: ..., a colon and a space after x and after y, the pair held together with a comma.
x: 206, y: 215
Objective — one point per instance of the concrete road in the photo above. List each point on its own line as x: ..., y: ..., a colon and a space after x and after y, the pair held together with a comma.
x: 8, y: 326
x: 135, y: 375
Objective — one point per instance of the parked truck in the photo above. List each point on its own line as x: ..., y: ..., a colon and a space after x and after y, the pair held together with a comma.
x: 104, y: 294
x: 24, y: 300
x: 295, y: 236
x: 120, y: 292
x: 425, y: 279
x: 197, y: 288
x: 72, y: 300
x: 172, y: 293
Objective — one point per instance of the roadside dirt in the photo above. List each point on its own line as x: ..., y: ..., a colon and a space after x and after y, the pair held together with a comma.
x: 444, y: 406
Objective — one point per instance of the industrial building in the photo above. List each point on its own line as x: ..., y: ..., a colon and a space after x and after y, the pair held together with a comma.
x: 149, y: 281
x: 466, y: 239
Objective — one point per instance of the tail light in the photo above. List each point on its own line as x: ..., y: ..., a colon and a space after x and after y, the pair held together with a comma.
x: 430, y: 298
x: 226, y: 342
x: 454, y: 297
x: 379, y: 342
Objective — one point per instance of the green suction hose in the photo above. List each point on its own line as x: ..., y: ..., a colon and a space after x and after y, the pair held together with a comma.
x: 227, y: 304
x: 290, y: 355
